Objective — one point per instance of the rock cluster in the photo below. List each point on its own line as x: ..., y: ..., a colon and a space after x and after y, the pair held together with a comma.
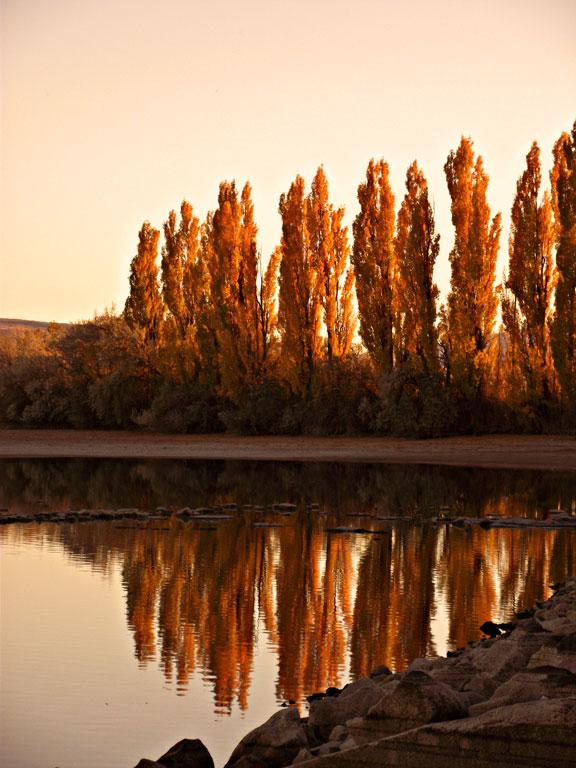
x: 509, y: 700
x: 216, y: 512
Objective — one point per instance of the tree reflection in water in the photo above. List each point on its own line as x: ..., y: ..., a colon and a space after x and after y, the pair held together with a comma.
x: 331, y: 606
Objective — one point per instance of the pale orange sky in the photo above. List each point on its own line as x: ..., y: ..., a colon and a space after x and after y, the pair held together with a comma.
x: 115, y: 110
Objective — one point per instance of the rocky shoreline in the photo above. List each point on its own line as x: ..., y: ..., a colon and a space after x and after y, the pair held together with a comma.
x: 508, y: 700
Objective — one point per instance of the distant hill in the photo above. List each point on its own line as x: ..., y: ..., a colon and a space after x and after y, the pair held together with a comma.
x: 11, y: 325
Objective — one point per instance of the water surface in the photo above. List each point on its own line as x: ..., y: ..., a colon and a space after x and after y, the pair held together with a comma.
x: 120, y: 638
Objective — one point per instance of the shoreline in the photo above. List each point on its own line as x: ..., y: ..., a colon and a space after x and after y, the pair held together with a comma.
x: 508, y: 700
x: 534, y: 452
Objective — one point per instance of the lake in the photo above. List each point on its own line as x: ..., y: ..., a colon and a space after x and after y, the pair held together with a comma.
x: 120, y: 638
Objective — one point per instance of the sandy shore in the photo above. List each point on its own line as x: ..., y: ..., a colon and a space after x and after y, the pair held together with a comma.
x: 506, y: 451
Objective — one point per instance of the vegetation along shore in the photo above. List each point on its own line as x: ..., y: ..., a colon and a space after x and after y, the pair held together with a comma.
x: 329, y: 334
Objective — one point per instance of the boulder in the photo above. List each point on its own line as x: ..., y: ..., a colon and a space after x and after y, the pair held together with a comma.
x: 381, y: 671
x: 275, y: 743
x: 529, y: 686
x: 456, y: 675
x: 302, y: 756
x: 188, y: 753
x: 553, y: 656
x: 339, y: 733
x: 145, y: 763
x: 507, y: 655
x: 354, y: 701
x: 419, y: 699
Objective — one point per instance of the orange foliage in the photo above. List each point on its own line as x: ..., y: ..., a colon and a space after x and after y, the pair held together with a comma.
x: 375, y: 264
x: 416, y: 251
x: 472, y: 302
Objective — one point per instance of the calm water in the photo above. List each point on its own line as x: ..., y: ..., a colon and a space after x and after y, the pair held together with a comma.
x: 118, y: 639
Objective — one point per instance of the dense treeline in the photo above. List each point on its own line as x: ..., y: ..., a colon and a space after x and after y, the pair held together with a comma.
x: 331, y: 334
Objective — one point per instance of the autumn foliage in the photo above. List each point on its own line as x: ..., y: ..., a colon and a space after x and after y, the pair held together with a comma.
x: 334, y: 331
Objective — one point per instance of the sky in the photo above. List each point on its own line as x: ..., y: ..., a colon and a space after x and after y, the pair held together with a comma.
x: 114, y: 111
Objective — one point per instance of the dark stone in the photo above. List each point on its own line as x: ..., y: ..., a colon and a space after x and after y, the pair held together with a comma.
x: 380, y: 671
x: 275, y: 743
x: 188, y: 753
x: 315, y: 697
x: 527, y: 613
x: 567, y: 643
x: 250, y: 761
x: 145, y: 763
x: 490, y: 629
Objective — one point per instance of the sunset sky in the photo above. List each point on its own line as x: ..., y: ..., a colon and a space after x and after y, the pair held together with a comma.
x: 113, y: 111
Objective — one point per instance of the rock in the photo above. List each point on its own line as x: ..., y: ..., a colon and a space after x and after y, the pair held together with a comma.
x: 419, y: 699
x: 145, y: 763
x: 354, y: 701
x: 302, y: 756
x: 507, y: 655
x: 315, y: 697
x: 338, y: 733
x: 327, y: 749
x: 420, y: 665
x: 250, y: 761
x: 349, y: 743
x: 527, y: 613
x: 380, y: 671
x: 529, y: 686
x: 276, y: 743
x: 550, y: 656
x: 188, y: 753
x: 482, y: 685
x: 456, y: 674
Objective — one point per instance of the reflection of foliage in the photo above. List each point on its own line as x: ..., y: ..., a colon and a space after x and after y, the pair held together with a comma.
x: 194, y: 598
x: 379, y: 489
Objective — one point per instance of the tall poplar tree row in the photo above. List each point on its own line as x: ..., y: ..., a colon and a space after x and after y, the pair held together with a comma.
x: 417, y: 248
x: 527, y: 302
x: 472, y: 302
x: 563, y: 178
x: 374, y: 264
x: 144, y: 308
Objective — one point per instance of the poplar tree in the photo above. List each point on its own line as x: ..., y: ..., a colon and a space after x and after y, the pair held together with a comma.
x: 563, y: 328
x: 472, y: 302
x: 300, y: 291
x: 231, y: 253
x: 343, y: 282
x: 329, y: 251
x: 417, y: 248
x: 144, y: 308
x: 266, y: 303
x: 374, y: 265
x: 526, y: 305
x: 179, y: 255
